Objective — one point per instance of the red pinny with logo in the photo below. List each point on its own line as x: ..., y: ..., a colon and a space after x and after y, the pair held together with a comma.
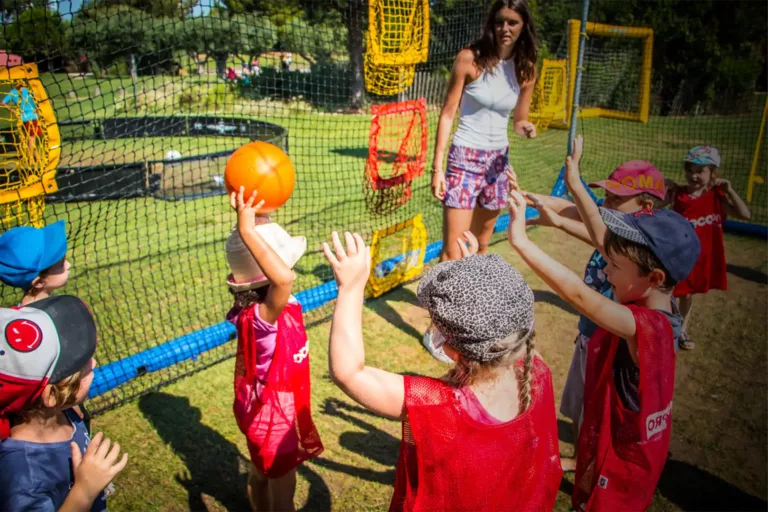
x: 621, y: 452
x: 706, y: 213
x: 448, y: 461
x: 278, y: 425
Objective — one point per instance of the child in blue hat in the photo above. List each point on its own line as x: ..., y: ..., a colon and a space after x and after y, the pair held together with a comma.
x: 34, y: 259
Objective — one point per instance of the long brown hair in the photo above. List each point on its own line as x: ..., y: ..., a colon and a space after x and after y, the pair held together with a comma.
x: 466, y: 373
x: 526, y: 49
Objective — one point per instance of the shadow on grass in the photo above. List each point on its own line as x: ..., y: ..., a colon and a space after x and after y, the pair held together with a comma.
x: 748, y: 274
x: 554, y: 299
x: 373, y: 444
x: 691, y: 488
x: 382, y: 307
x: 215, y: 466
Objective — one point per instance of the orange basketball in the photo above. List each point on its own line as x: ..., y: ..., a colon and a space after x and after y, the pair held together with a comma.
x: 263, y: 167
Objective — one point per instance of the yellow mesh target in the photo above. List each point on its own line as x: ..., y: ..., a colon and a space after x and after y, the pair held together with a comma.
x: 397, y: 255
x: 398, y: 39
x: 398, y: 31
x: 29, y: 147
x: 548, y: 100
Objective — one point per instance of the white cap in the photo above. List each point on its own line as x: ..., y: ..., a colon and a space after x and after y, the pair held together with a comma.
x: 246, y: 273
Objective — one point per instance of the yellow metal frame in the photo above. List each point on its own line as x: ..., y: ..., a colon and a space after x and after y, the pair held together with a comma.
x: 384, y: 34
x: 414, y: 245
x: 754, y: 178
x: 548, y: 100
x: 45, y: 182
x: 601, y: 30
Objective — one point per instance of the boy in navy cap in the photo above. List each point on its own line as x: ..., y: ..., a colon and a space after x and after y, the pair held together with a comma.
x: 624, y: 438
x: 47, y: 459
x: 34, y: 259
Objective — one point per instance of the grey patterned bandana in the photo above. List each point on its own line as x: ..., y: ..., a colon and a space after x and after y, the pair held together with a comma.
x: 477, y: 301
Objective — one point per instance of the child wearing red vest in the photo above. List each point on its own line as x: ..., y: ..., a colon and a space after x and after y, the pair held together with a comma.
x: 705, y: 201
x: 484, y: 437
x: 272, y: 388
x: 630, y: 376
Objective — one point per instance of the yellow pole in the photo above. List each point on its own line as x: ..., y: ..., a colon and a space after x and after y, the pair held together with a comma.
x: 645, y: 77
x: 753, y: 176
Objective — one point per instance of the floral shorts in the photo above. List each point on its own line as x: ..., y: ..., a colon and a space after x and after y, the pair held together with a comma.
x: 477, y: 177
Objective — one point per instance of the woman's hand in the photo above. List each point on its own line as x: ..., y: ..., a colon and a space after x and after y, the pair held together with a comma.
x: 351, y: 266
x: 525, y: 129
x: 438, y: 183
x: 246, y: 211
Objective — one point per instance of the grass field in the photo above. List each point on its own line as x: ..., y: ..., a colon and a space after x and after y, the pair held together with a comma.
x: 188, y: 454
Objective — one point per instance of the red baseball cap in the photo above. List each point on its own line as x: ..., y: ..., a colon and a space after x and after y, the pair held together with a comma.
x: 633, y: 178
x: 41, y: 343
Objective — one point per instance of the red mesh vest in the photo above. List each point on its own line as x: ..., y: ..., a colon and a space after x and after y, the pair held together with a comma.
x: 707, y: 214
x: 279, y: 427
x: 448, y: 461
x: 622, y: 453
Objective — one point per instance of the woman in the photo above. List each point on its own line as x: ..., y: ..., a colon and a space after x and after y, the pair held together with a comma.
x: 492, y: 77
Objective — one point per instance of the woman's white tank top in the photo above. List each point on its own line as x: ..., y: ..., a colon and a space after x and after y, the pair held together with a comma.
x: 485, y: 107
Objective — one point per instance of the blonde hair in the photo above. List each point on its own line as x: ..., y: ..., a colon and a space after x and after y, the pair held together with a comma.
x: 466, y: 373
x: 64, y: 392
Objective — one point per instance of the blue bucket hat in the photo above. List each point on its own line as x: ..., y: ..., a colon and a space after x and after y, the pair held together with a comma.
x: 668, y: 235
x: 26, y: 251
x: 704, y: 155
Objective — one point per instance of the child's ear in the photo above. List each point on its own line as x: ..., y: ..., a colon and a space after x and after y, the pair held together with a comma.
x: 37, y: 283
x: 657, y: 278
x: 49, y: 400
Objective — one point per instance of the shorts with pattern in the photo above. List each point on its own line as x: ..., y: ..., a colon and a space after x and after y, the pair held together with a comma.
x: 477, y: 177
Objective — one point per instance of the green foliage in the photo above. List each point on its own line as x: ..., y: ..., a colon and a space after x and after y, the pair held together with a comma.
x: 326, y: 86
x: 156, y: 8
x: 36, y: 34
x: 316, y: 42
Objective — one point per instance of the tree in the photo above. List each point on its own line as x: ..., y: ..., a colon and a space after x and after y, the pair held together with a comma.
x: 37, y: 34
x: 157, y: 8
x: 315, y: 42
x: 220, y: 36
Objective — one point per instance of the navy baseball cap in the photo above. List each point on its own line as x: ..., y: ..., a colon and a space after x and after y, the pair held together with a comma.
x: 668, y: 235
x: 26, y: 251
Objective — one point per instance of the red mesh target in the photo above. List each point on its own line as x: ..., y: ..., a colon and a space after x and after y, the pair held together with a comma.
x: 397, y: 151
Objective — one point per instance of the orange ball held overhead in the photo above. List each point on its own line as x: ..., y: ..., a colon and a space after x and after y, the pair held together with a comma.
x: 263, y: 167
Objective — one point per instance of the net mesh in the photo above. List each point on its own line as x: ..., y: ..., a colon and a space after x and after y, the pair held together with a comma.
x: 150, y: 102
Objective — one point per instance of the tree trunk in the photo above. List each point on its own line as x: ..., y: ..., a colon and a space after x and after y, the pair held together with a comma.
x: 134, y: 72
x: 355, y: 20
x: 221, y: 64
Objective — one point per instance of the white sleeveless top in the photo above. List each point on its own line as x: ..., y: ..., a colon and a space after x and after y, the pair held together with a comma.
x: 485, y: 107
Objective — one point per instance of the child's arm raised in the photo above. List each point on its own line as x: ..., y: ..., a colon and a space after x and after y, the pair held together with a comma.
x: 380, y: 391
x: 736, y: 205
x: 603, y: 311
x: 275, y: 270
x: 588, y: 210
x: 549, y: 217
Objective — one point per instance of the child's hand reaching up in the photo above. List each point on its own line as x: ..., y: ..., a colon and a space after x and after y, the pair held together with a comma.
x: 351, y: 266
x: 572, y: 172
x: 516, y: 230
x: 246, y: 210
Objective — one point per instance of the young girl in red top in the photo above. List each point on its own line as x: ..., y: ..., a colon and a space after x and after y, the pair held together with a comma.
x: 272, y: 390
x: 484, y: 437
x: 705, y: 201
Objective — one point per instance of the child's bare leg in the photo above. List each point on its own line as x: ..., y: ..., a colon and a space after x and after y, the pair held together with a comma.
x: 258, y: 491
x: 686, y: 305
x: 283, y: 490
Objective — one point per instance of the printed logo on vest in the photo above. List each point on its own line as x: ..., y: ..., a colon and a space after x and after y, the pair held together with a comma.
x: 709, y: 220
x: 602, y: 481
x: 658, y: 421
x: 302, y: 354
